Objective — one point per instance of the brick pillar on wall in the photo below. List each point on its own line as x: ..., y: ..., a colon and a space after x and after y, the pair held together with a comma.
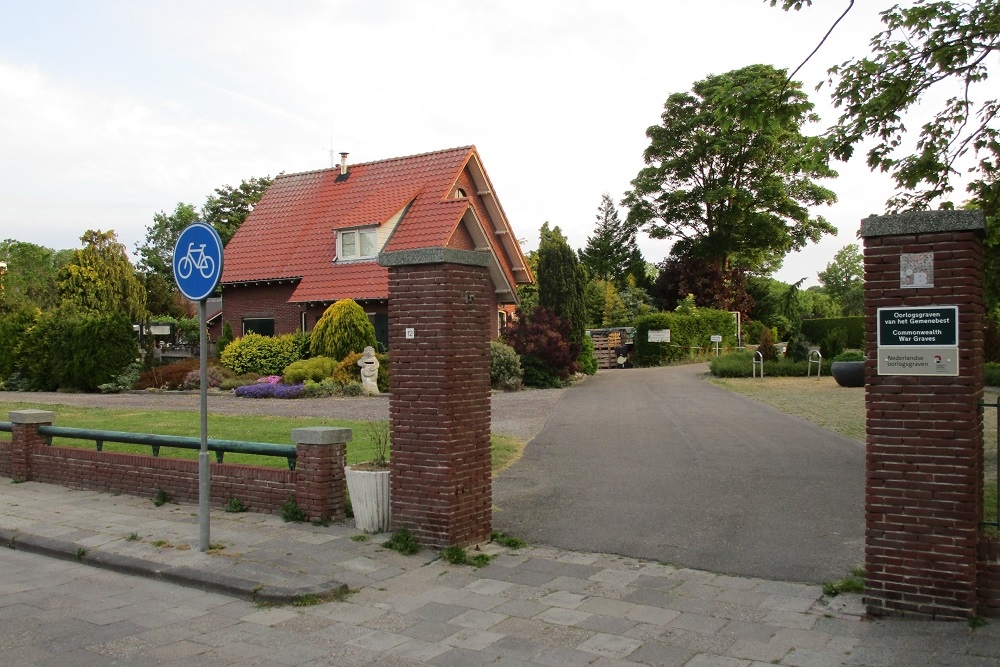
x: 924, y: 460
x: 439, y: 405
x: 24, y: 437
x: 319, y: 471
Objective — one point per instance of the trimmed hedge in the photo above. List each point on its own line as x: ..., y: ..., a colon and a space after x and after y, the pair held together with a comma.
x: 266, y: 355
x: 12, y: 328
x: 686, y: 331
x: 817, y: 330
x: 740, y: 365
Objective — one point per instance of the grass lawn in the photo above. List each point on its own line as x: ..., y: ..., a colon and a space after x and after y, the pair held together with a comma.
x: 257, y: 428
x: 842, y: 409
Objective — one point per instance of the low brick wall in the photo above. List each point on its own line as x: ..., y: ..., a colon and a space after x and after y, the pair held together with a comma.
x: 317, y: 484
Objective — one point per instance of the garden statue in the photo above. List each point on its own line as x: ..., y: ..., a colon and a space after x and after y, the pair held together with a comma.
x: 369, y: 372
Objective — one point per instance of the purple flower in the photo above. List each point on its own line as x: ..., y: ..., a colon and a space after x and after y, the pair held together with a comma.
x: 268, y: 390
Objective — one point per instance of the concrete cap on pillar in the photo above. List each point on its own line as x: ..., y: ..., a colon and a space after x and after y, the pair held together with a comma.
x: 32, y: 416
x: 321, y: 435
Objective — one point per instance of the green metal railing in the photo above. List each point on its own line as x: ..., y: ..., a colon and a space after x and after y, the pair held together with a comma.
x: 983, y: 404
x: 220, y: 447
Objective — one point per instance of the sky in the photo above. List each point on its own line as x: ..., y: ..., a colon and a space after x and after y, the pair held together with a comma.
x: 114, y: 110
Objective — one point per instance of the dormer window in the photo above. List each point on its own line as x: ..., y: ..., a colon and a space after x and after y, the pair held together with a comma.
x: 357, y: 244
x: 460, y: 193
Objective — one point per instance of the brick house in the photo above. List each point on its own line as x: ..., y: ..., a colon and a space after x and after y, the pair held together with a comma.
x: 314, y: 238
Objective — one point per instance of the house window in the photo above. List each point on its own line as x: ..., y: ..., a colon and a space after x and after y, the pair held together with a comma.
x: 357, y: 244
x: 460, y: 193
x: 259, y: 325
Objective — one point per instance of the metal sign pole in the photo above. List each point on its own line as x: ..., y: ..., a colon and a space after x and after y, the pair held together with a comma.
x: 204, y: 470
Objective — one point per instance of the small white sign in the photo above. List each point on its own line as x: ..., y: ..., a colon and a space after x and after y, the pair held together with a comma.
x: 716, y: 338
x: 918, y: 361
x: 411, y: 332
x: 658, y: 336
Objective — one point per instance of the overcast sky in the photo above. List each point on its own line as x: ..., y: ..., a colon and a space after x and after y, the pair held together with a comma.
x: 111, y: 111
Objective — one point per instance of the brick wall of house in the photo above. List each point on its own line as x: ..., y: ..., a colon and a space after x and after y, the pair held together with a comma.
x: 440, y: 401
x: 317, y: 483
x: 261, y: 301
x: 924, y: 445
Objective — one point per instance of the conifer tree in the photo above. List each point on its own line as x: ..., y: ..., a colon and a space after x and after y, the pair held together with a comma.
x: 611, y: 252
x: 561, y: 281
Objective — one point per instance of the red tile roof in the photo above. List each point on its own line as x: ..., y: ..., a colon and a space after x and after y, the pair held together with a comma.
x: 291, y: 231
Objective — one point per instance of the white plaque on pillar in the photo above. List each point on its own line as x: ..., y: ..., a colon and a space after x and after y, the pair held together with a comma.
x: 916, y: 270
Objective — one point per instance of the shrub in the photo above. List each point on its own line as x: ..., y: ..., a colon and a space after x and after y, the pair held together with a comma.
x: 991, y: 375
x: 798, y: 348
x: 539, y: 374
x: 545, y: 338
x: 68, y: 349
x: 225, y: 338
x: 816, y: 330
x: 505, y: 367
x: 850, y: 355
x: 171, y: 376
x: 316, y: 369
x: 752, y: 331
x: 266, y: 355
x: 834, y: 343
x: 344, y: 328
x: 239, y: 381
x: 12, y: 329
x: 766, y: 347
x: 348, y: 371
x: 587, y: 361
x: 193, y: 379
x: 123, y: 382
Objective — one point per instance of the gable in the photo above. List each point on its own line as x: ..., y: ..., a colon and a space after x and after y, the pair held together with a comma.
x: 292, y: 232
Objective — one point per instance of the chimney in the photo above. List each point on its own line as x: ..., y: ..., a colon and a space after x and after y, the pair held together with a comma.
x: 343, y: 164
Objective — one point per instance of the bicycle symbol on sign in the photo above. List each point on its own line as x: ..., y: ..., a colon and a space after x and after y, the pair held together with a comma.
x: 195, y: 259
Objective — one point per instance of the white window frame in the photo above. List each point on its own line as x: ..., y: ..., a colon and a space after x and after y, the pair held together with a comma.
x: 356, y: 235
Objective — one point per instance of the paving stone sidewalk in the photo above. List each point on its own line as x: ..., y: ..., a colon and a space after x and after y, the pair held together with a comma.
x: 531, y: 606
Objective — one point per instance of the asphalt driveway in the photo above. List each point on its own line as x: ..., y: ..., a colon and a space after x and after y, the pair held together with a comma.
x: 660, y: 464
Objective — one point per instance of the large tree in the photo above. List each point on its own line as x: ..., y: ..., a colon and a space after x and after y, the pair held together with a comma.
x: 843, y: 280
x: 730, y: 176
x: 30, y: 278
x: 611, y: 252
x: 100, y: 278
x: 228, y: 207
x: 156, y: 254
x: 942, y: 46
x: 561, y: 281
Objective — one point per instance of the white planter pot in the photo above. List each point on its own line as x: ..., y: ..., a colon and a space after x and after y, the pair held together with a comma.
x: 369, y: 490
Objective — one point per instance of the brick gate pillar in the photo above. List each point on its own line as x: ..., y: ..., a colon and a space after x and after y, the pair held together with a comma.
x: 439, y: 406
x: 24, y: 437
x: 924, y: 455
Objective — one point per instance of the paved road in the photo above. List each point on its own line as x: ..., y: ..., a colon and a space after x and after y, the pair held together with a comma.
x: 660, y: 464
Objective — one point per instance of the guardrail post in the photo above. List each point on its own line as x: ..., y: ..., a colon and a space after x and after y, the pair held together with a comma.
x: 320, y: 483
x: 24, y: 436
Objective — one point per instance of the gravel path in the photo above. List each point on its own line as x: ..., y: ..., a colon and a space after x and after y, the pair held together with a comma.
x: 521, y: 414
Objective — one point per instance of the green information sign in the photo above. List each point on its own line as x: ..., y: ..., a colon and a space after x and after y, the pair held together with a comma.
x: 925, y: 326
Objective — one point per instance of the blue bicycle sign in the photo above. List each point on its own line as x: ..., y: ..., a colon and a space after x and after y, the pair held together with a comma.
x: 198, y: 261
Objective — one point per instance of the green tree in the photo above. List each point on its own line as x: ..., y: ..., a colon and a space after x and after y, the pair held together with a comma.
x: 101, y: 279
x: 157, y: 253
x: 561, y: 281
x: 30, y: 279
x: 228, y: 207
x: 844, y: 280
x: 943, y: 46
x: 344, y: 328
x: 730, y: 176
x: 611, y: 252
x: 527, y: 293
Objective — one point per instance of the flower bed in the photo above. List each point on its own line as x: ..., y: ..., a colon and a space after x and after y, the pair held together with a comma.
x: 269, y: 390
